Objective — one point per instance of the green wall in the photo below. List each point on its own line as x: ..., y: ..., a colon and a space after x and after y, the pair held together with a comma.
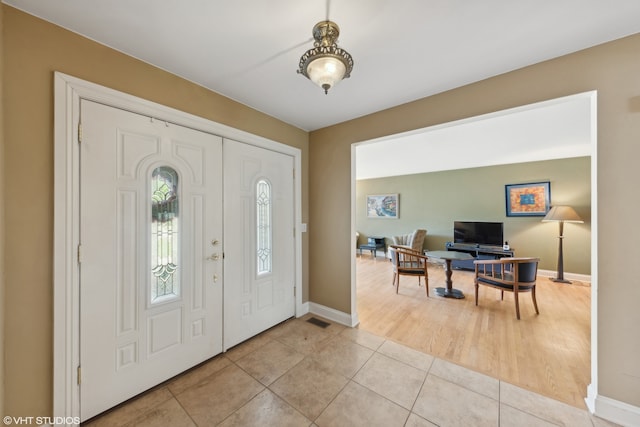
x: 434, y: 200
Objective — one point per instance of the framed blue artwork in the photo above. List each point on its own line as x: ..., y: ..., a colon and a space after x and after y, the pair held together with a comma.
x: 531, y: 199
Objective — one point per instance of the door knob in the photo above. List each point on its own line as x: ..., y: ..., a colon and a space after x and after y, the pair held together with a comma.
x: 215, y: 242
x: 214, y: 257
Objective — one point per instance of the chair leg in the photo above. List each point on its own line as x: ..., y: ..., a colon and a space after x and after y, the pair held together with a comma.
x: 477, y: 286
x: 397, y: 283
x: 501, y: 295
x: 533, y: 297
x: 426, y: 285
x: 515, y: 297
x: 393, y: 283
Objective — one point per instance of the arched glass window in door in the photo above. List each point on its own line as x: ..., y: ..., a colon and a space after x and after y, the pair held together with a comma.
x: 165, y: 237
x: 264, y: 226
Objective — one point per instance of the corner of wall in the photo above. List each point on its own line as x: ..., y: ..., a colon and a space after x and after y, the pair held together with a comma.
x: 2, y: 281
x: 612, y: 410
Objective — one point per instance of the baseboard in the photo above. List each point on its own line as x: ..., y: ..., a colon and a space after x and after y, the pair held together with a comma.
x: 586, y: 278
x: 612, y: 410
x: 350, y: 320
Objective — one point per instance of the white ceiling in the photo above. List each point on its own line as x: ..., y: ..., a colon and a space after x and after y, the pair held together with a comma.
x: 403, y: 50
x: 554, y: 129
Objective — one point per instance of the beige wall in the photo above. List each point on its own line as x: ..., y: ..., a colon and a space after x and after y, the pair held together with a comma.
x: 434, y: 200
x: 2, y: 226
x: 33, y: 50
x: 611, y: 69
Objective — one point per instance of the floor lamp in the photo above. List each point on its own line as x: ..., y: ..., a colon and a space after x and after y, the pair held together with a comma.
x: 561, y: 214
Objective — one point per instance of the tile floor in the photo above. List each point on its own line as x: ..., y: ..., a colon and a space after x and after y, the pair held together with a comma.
x: 300, y: 374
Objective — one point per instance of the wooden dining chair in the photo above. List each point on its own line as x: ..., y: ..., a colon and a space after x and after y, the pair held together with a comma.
x: 508, y: 274
x: 407, y: 262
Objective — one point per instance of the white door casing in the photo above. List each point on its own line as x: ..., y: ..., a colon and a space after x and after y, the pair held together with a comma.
x: 257, y: 298
x: 138, y: 328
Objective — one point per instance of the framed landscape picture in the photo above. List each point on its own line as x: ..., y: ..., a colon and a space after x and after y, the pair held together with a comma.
x: 383, y: 206
x: 532, y: 199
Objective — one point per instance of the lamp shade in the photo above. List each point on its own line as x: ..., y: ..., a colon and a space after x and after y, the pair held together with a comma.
x: 562, y: 213
x: 326, y: 71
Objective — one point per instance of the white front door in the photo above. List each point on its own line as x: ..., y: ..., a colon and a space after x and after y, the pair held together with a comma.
x: 259, y: 240
x: 151, y: 253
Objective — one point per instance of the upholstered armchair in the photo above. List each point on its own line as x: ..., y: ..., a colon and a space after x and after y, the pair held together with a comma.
x: 413, y: 241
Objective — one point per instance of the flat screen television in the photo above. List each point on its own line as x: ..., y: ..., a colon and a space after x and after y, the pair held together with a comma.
x: 481, y: 233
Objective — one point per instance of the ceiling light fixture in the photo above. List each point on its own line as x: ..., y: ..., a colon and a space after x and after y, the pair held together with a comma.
x: 326, y: 63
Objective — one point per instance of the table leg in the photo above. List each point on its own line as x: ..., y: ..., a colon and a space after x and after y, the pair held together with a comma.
x: 449, y: 292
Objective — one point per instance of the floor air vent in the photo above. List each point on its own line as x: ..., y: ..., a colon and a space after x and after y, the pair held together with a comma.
x: 318, y: 322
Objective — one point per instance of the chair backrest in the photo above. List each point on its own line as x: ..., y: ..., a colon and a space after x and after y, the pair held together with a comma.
x: 401, y: 240
x: 407, y: 260
x: 416, y: 241
x: 526, y: 268
x: 413, y: 240
x: 527, y: 271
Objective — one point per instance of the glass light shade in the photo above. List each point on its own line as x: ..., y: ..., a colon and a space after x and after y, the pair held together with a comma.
x: 326, y: 71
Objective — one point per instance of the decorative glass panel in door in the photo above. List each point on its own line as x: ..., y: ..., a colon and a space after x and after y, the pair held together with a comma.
x: 263, y: 210
x: 165, y: 242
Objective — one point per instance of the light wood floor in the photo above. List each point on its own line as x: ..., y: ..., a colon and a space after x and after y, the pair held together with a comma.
x: 548, y: 353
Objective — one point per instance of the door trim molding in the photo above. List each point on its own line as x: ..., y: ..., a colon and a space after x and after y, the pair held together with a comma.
x: 68, y: 91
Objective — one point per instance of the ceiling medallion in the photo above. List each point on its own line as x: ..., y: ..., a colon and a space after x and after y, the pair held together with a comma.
x: 326, y: 63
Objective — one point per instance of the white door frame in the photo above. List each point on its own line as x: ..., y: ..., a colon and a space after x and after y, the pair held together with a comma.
x: 596, y: 403
x: 68, y: 91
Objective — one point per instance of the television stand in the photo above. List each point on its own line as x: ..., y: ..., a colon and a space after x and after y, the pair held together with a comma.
x: 477, y: 251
